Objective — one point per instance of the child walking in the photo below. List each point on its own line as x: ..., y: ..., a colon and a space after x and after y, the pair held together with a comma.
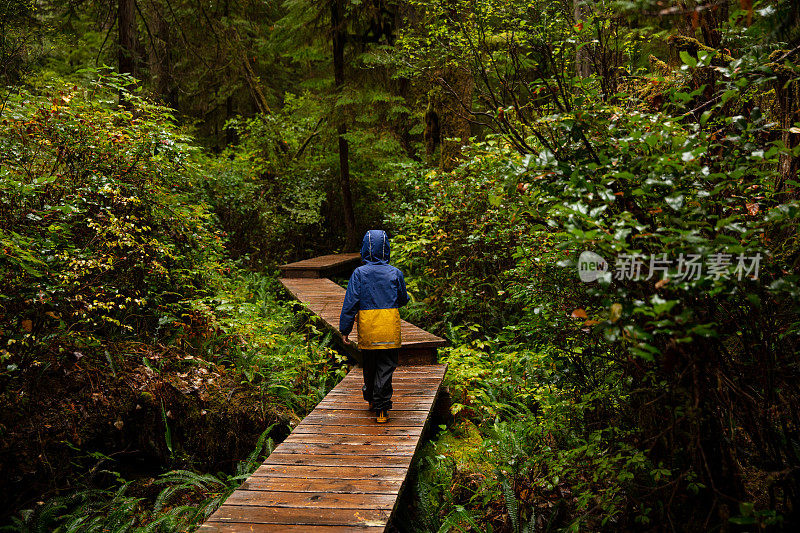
x: 374, y: 294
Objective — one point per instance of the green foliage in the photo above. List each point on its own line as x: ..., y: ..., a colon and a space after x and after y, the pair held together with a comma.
x: 460, y: 237
x: 18, y: 43
x: 273, y: 352
x: 186, y: 500
x: 111, y: 253
x: 88, y: 510
x: 277, y: 349
x: 647, y: 390
x: 99, y: 233
x: 545, y: 437
x: 277, y: 192
x: 268, y: 190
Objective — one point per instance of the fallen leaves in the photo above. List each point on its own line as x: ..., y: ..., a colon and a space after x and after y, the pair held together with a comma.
x: 579, y: 313
x: 616, y: 312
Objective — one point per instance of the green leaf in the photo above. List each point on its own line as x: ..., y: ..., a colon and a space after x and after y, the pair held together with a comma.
x: 688, y: 59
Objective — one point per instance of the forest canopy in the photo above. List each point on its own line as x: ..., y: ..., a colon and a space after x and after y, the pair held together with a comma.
x: 596, y: 202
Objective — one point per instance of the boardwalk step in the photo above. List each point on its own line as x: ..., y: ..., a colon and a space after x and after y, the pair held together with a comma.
x: 322, y: 266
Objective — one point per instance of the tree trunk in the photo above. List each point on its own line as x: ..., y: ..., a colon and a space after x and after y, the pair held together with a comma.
x: 452, y: 110
x: 126, y: 18
x: 788, y: 165
x: 158, y: 57
x: 351, y: 241
x: 710, y: 21
x: 583, y: 66
x: 432, y: 134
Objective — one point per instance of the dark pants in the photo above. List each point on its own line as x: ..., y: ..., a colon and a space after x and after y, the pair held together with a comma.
x: 378, y: 368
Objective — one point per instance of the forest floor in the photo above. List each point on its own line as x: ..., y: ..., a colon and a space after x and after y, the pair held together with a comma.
x: 91, y: 417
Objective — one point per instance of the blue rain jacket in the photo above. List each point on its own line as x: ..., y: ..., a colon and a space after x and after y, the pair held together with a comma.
x: 375, y: 292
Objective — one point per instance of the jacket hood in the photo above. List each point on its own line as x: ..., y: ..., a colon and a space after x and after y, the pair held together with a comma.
x: 375, y: 247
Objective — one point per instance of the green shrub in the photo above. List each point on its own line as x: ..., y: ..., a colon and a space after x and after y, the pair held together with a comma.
x: 673, y: 383
x: 99, y: 234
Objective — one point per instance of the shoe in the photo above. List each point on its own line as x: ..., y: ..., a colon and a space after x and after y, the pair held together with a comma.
x: 383, y: 417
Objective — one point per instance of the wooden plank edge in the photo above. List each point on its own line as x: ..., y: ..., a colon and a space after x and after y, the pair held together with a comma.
x: 228, y: 527
x: 367, y: 523
x: 417, y: 448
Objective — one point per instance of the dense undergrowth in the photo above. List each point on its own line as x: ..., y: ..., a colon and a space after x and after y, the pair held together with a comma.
x: 139, y: 362
x: 655, y: 401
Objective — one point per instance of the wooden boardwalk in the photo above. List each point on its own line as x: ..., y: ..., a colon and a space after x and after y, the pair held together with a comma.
x: 338, y: 471
x: 322, y: 266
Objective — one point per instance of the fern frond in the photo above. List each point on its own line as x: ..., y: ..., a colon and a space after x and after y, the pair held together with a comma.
x: 512, y: 505
x: 252, y: 461
x: 531, y: 526
x: 189, y: 479
x: 163, y: 497
x: 429, y: 513
x: 458, y: 515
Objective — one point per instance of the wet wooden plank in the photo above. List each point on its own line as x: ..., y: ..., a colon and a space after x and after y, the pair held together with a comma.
x: 411, y: 374
x: 419, y: 389
x: 417, y: 385
x: 361, y: 430
x: 332, y: 414
x: 312, y: 516
x: 360, y: 423
x: 322, y: 261
x: 363, y: 406
x: 326, y: 448
x: 351, y: 440
x: 354, y: 460
x: 401, y: 391
x: 321, y: 266
x: 318, y: 500
x: 412, y: 383
x: 330, y: 485
x: 234, y: 527
x: 327, y: 472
